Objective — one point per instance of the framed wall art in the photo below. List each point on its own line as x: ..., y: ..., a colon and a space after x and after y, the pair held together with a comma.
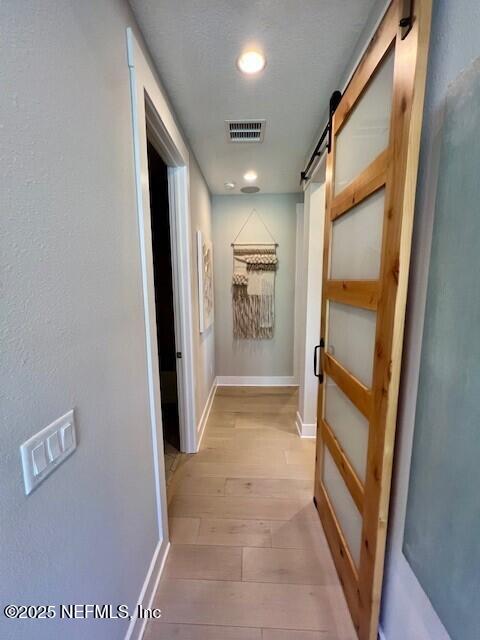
x: 205, y: 282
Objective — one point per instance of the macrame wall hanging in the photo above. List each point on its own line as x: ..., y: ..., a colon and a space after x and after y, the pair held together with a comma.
x: 253, y: 286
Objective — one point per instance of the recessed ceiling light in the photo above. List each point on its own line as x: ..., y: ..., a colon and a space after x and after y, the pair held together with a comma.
x: 251, y: 62
x: 250, y: 189
x: 229, y: 185
x: 250, y: 176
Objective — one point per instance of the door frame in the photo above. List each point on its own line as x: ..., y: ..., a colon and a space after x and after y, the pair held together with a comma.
x: 151, y: 112
x: 395, y: 168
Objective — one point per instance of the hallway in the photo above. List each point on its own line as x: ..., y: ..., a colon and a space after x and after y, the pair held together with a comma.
x: 249, y: 560
x: 231, y: 247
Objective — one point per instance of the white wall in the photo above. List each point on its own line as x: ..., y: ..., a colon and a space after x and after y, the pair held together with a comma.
x: 204, y: 344
x: 299, y: 297
x: 407, y: 612
x: 255, y: 357
x: 308, y: 326
x: 72, y: 326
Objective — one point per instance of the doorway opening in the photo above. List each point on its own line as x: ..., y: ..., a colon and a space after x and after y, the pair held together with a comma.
x: 164, y: 307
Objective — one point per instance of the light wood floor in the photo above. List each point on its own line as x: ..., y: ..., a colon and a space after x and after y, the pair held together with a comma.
x: 249, y: 560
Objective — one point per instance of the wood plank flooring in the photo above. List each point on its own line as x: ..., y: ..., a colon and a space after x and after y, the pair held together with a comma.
x: 249, y: 560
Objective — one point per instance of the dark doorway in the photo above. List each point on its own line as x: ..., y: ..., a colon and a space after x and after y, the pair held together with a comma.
x: 162, y: 269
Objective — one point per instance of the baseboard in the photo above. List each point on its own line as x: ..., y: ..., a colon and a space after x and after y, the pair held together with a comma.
x: 206, y: 412
x: 257, y: 381
x: 136, y: 628
x: 305, y: 430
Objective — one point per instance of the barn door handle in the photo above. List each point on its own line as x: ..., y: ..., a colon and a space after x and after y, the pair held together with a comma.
x: 319, y: 374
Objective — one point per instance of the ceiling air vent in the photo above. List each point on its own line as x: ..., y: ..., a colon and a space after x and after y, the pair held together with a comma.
x: 245, y: 130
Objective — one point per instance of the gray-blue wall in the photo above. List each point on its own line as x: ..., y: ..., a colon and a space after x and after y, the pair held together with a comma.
x: 443, y: 508
x: 409, y: 592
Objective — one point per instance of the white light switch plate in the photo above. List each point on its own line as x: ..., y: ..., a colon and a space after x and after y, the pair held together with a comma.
x: 43, y: 452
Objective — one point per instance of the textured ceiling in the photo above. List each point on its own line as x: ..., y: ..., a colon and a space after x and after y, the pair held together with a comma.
x: 195, y: 43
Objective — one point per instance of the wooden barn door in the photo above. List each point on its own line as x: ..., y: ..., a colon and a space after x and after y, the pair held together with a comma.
x: 370, y: 192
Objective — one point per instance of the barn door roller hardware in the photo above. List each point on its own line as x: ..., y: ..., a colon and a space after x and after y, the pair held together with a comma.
x: 326, y: 134
x: 406, y: 22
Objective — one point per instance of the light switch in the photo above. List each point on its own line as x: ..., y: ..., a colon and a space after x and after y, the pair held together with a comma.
x: 53, y: 446
x: 46, y: 450
x: 39, y: 459
x: 66, y: 434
